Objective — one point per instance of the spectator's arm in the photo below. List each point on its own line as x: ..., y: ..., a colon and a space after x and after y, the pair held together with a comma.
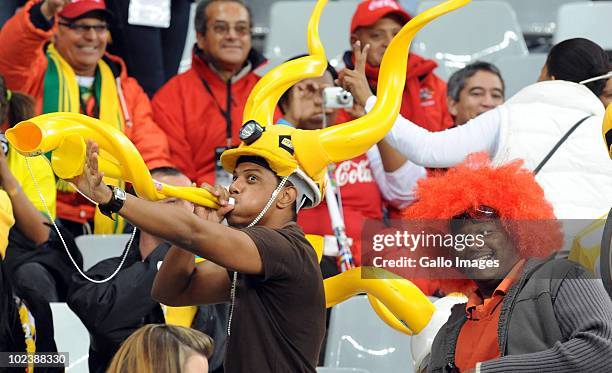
x: 46, y: 184
x: 584, y: 312
x: 115, y: 308
x: 397, y: 186
x: 27, y: 218
x: 181, y: 282
x: 22, y: 60
x: 169, y: 115
x: 146, y: 135
x: 446, y: 148
x: 202, y: 235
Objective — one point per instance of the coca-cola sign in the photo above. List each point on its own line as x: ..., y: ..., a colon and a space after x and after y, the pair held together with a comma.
x: 350, y: 172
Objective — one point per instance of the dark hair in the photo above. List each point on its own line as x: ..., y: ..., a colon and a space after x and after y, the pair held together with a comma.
x: 578, y: 59
x: 456, y: 82
x: 14, y: 106
x: 201, y: 19
x: 167, y: 171
x: 285, y: 97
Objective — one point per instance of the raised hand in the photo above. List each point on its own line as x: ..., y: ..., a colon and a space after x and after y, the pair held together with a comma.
x: 222, y: 195
x: 355, y: 80
x: 90, y: 181
x: 50, y: 8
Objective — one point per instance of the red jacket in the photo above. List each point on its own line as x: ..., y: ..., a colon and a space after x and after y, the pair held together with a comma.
x: 194, y: 119
x: 361, y: 200
x: 424, y: 97
x: 23, y: 64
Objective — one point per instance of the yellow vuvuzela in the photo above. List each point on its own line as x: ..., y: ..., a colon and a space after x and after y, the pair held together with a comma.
x: 64, y: 134
x: 306, y: 153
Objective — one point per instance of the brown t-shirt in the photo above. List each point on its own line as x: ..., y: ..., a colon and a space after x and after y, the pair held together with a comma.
x: 279, y: 316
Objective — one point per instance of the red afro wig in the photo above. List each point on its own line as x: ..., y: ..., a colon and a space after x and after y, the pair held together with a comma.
x: 510, y: 189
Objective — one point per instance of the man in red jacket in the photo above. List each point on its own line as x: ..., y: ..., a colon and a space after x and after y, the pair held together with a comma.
x: 201, y: 109
x: 376, y: 22
x: 55, y: 50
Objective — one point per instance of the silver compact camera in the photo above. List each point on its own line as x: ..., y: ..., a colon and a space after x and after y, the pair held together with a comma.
x: 337, y: 98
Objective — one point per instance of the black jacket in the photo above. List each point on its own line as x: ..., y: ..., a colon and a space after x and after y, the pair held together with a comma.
x: 554, y: 319
x: 12, y: 337
x: 113, y: 310
x: 51, y: 255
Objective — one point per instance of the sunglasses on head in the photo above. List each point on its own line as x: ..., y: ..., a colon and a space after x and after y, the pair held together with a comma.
x: 479, y: 212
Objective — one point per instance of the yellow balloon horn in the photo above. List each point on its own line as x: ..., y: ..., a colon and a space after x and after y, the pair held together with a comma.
x: 64, y: 134
x: 346, y: 141
x: 401, y: 299
x: 288, y: 149
x: 264, y: 97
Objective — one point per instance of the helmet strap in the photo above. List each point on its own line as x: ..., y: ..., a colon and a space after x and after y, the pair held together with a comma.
x: 270, y: 201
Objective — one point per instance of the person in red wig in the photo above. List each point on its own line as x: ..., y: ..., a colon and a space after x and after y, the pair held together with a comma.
x: 530, y: 312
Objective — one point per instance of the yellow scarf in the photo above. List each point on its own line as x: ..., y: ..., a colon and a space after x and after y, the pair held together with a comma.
x: 61, y: 94
x: 29, y: 330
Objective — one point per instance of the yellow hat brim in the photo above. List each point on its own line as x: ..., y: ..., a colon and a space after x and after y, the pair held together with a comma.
x: 282, y: 166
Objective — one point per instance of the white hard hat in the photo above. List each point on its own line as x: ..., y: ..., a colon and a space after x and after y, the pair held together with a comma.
x: 420, y: 344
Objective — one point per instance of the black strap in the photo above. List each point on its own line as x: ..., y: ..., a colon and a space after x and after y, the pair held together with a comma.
x: 227, y: 114
x: 556, y: 147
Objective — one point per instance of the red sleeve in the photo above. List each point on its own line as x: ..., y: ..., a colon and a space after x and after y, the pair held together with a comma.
x: 22, y: 59
x: 168, y: 113
x: 146, y: 135
x: 343, y: 116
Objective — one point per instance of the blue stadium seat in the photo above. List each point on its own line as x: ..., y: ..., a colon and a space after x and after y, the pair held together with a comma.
x: 538, y: 17
x: 71, y: 336
x: 591, y: 20
x: 288, y: 25
x: 520, y: 71
x: 481, y: 30
x: 358, y: 338
x: 97, y: 247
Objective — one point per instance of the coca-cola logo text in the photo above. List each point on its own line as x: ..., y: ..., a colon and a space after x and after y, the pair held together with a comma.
x: 350, y: 172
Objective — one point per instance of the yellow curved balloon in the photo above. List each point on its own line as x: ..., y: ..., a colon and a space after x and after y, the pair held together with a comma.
x: 397, y: 301
x: 319, y: 148
x: 387, y: 316
x: 607, y: 129
x: 64, y: 134
x: 264, y: 97
x: 313, y: 150
x: 401, y: 297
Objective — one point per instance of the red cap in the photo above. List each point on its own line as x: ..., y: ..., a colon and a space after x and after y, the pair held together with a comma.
x: 370, y: 11
x: 77, y: 8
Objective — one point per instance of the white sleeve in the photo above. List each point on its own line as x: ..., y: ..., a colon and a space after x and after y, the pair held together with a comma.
x: 445, y: 148
x: 396, y: 187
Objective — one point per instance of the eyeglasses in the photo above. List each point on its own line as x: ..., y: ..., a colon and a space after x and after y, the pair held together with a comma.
x: 223, y: 28
x: 81, y: 29
x: 480, y: 212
